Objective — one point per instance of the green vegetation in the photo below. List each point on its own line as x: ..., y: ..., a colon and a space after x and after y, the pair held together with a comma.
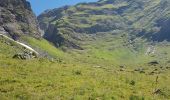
x: 81, y: 78
x: 41, y: 79
x: 100, y: 56
x: 42, y: 44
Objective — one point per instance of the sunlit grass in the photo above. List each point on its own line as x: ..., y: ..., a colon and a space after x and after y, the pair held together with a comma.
x: 90, y: 75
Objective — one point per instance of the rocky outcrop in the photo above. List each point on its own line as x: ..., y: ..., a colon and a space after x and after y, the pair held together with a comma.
x: 25, y: 56
x: 17, y: 19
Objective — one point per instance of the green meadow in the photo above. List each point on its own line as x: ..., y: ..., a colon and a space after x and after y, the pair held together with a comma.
x: 97, y: 76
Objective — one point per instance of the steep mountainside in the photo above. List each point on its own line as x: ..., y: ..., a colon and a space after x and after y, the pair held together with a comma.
x: 17, y: 19
x: 70, y: 25
x: 115, y: 55
x: 18, y: 22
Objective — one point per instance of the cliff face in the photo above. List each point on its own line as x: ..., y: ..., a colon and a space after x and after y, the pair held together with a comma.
x: 140, y: 18
x: 17, y: 19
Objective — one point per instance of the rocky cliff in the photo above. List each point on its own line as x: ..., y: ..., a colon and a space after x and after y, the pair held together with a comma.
x: 17, y: 19
x: 136, y: 18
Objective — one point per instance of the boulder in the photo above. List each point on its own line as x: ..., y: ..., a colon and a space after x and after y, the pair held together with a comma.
x: 25, y: 55
x: 140, y: 70
x: 154, y: 63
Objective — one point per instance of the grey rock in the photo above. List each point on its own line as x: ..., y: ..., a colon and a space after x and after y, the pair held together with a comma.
x: 25, y: 56
x: 17, y: 19
x: 154, y: 63
x: 140, y: 70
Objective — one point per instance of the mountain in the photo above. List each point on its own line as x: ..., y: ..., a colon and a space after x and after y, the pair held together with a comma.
x: 19, y: 30
x: 17, y: 19
x: 106, y: 50
x: 71, y: 25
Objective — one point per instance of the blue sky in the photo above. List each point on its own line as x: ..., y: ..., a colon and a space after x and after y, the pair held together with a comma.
x: 39, y: 6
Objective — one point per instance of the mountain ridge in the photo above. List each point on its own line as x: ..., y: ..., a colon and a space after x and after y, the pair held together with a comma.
x: 140, y: 18
x: 95, y: 51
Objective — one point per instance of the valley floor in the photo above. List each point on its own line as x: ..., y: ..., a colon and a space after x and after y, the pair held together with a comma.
x: 40, y: 79
x: 91, y: 79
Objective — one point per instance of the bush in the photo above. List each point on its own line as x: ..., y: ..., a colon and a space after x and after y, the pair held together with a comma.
x: 132, y: 82
x: 77, y: 72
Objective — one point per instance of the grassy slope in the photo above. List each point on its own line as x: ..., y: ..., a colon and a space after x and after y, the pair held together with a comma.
x: 89, y: 74
x: 120, y: 18
x: 42, y: 79
x: 58, y: 81
x: 111, y: 53
x: 44, y: 45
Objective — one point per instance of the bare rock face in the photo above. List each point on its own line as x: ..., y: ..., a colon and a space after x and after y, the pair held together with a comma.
x: 17, y: 19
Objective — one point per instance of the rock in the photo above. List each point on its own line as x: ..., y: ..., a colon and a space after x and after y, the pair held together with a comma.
x: 51, y: 60
x: 157, y: 91
x: 122, y: 66
x: 154, y: 63
x: 59, y: 60
x: 161, y: 67
x: 25, y: 56
x: 154, y: 72
x: 97, y: 66
x: 141, y: 70
x: 121, y: 69
x: 167, y: 67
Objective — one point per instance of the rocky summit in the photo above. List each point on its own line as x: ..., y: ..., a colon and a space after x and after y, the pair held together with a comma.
x: 17, y: 19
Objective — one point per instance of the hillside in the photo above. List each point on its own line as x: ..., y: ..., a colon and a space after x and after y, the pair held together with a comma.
x: 18, y: 22
x: 105, y: 50
x: 42, y: 78
x: 110, y: 30
x: 137, y: 18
